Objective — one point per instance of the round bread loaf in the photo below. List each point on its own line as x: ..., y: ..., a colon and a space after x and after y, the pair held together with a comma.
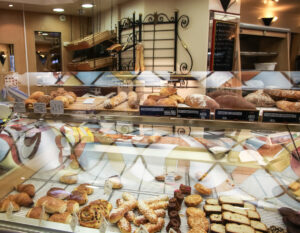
x: 201, y: 101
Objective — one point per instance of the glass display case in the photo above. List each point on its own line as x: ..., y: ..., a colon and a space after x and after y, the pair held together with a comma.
x: 150, y: 152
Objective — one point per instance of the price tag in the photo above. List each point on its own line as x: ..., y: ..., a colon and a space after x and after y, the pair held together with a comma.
x: 19, y: 107
x: 56, y: 107
x: 237, y: 115
x: 281, y: 117
x: 107, y: 188
x: 170, y: 178
x: 194, y: 113
x: 74, y: 222
x: 9, y: 212
x: 142, y: 229
x: 39, y: 108
x: 42, y: 214
x: 172, y: 231
x: 103, y: 225
x: 158, y: 111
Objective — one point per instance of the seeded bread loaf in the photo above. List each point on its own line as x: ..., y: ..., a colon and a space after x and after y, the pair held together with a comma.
x: 235, y: 218
x: 235, y: 228
x: 284, y: 94
x: 201, y: 101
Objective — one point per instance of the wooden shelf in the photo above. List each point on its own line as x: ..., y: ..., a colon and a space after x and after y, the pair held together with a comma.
x: 258, y: 54
x: 90, y: 41
x: 90, y: 65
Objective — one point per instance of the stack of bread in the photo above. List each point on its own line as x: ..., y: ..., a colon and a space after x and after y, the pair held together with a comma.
x: 166, y: 97
x: 60, y: 94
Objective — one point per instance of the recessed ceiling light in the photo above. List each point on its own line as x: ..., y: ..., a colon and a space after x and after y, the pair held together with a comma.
x: 10, y: 5
x: 87, y: 5
x: 58, y: 10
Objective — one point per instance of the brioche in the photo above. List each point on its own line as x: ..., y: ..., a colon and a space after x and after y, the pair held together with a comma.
x: 72, y: 206
x: 22, y: 199
x: 149, y: 102
x: 85, y: 188
x: 79, y: 196
x: 35, y: 95
x: 52, y: 205
x: 36, y: 212
x: 167, y: 102
x: 4, y: 205
x: 62, y: 218
x: 168, y: 91
x: 63, y: 99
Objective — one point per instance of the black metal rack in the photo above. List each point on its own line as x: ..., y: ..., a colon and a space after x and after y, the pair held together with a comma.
x: 132, y: 31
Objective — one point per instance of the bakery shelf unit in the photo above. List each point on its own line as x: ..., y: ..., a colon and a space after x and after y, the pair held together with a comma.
x: 261, y: 44
x: 88, y: 55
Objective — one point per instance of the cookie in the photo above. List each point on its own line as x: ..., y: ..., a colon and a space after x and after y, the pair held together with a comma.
x: 193, y: 200
x: 192, y: 211
x: 197, y: 230
x: 195, y: 221
x: 202, y: 189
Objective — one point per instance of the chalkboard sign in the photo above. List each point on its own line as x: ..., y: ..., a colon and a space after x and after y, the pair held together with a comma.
x: 223, y: 45
x: 158, y: 111
x: 237, y: 115
x: 281, y: 117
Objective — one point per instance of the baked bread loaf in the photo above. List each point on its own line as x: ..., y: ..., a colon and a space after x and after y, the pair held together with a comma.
x: 29, y: 103
x: 62, y: 218
x: 63, y: 99
x: 167, y: 91
x: 217, y: 228
x: 115, y: 101
x: 36, y: 212
x: 5, y: 203
x: 288, y: 106
x: 218, y: 93
x: 177, y: 98
x: 234, y: 102
x: 22, y: 199
x: 260, y: 99
x: 283, y: 94
x: 36, y: 95
x: 235, y: 228
x: 167, y: 102
x: 26, y: 188
x: 133, y: 100
x: 71, y: 93
x: 149, y: 102
x: 85, y: 188
x: 70, y: 98
x: 59, y: 193
x: 72, y: 206
x: 155, y: 97
x: 235, y: 218
x: 52, y: 205
x: 201, y: 101
x: 44, y: 99
x: 79, y: 196
x: 69, y: 178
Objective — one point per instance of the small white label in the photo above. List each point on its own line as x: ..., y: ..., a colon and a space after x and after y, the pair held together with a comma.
x: 56, y: 107
x: 108, y: 187
x: 170, y: 178
x: 103, y: 225
x: 42, y: 214
x: 172, y: 231
x: 74, y: 222
x: 19, y: 107
x: 39, y: 108
x: 9, y: 211
x: 89, y: 101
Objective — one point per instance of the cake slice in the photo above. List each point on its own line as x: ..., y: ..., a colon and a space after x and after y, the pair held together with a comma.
x: 249, y: 206
x: 234, y: 209
x: 212, y: 209
x: 231, y: 201
x: 212, y: 201
x: 235, y: 218
x: 253, y: 215
x: 215, y: 218
x: 235, y: 228
x: 217, y: 228
x: 259, y: 226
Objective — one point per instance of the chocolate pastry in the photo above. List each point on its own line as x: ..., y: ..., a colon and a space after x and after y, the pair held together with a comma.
x: 284, y: 211
x: 291, y: 228
x: 174, y: 215
x: 179, y: 197
x: 174, y: 200
x: 171, y: 207
x: 174, y: 223
x: 175, y: 229
x: 185, y: 189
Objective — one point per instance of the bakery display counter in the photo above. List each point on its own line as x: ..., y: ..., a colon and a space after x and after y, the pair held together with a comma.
x: 150, y: 174
x: 90, y: 65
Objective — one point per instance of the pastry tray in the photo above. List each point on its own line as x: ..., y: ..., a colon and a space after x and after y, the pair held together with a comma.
x: 137, y: 178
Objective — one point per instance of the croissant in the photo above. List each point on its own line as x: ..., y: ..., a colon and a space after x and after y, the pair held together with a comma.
x: 22, y: 199
x: 36, y: 213
x: 62, y: 218
x: 52, y: 205
x: 26, y: 188
x: 4, y: 205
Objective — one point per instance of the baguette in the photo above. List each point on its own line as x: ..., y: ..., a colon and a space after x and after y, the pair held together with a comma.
x: 285, y: 94
x: 147, y: 212
x: 234, y: 102
x: 115, y: 101
x: 234, y: 209
x: 133, y: 100
x: 217, y: 228
x: 235, y: 228
x: 235, y: 218
x: 288, y: 106
x: 230, y: 200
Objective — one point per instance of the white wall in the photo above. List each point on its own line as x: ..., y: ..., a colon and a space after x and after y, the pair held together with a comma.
x: 216, y: 5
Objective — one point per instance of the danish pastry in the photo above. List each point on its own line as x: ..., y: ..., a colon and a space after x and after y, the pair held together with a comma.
x: 104, y: 206
x: 85, y: 188
x: 90, y: 216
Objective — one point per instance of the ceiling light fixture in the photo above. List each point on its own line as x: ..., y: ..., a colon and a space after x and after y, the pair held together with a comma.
x: 87, y: 5
x: 10, y: 5
x: 58, y: 10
